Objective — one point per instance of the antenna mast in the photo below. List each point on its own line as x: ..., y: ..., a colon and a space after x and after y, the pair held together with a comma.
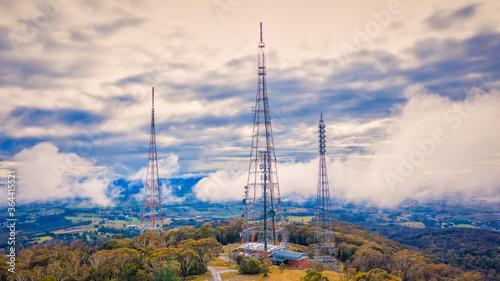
x: 324, y: 238
x: 152, y: 217
x: 263, y: 210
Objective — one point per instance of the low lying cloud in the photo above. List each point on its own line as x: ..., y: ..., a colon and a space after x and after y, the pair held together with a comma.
x: 297, y: 180
x: 221, y: 185
x: 45, y: 174
x: 434, y: 148
x: 167, y: 195
x: 166, y: 167
x: 439, y: 148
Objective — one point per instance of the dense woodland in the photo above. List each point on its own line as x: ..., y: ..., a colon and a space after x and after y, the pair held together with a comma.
x: 187, y: 251
x: 468, y: 249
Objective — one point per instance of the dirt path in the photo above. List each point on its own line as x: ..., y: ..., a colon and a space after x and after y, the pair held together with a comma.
x: 216, y: 273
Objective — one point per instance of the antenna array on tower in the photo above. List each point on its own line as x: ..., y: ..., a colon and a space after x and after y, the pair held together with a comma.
x: 324, y: 239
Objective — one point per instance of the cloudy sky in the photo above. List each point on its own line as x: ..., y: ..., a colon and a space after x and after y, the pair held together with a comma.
x: 408, y: 89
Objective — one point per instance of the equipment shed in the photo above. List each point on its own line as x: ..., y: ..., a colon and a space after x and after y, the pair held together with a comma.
x: 294, y: 259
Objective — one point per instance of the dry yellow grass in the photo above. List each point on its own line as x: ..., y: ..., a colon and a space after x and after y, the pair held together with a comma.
x: 289, y: 274
x: 218, y: 263
x: 202, y: 277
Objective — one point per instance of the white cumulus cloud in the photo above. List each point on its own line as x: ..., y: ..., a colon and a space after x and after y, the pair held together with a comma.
x: 45, y: 174
x: 434, y: 147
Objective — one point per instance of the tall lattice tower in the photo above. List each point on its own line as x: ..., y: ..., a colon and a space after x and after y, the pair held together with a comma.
x: 152, y: 218
x: 263, y: 212
x: 324, y: 239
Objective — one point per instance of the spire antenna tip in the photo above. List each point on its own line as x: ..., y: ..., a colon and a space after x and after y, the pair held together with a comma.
x: 260, y: 31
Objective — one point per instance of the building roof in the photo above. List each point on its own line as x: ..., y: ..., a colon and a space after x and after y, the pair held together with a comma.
x: 289, y: 255
x: 253, y: 247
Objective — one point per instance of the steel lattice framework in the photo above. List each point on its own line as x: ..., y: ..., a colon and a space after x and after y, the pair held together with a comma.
x: 263, y: 210
x: 152, y: 217
x: 324, y: 239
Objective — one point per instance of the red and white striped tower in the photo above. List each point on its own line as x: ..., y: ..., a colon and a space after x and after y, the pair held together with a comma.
x: 152, y: 218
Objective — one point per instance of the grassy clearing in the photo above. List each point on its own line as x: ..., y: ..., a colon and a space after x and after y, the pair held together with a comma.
x: 115, y: 224
x: 44, y: 238
x: 297, y: 210
x: 300, y: 219
x: 81, y: 218
x: 42, y: 212
x: 290, y: 274
x: 76, y: 229
x: 202, y: 277
x: 218, y: 263
x: 41, y: 239
x: 399, y: 218
x: 464, y: 226
x: 229, y: 275
x: 134, y: 220
x: 414, y: 224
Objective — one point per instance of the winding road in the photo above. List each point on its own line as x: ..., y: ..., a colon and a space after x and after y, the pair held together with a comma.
x: 216, y: 273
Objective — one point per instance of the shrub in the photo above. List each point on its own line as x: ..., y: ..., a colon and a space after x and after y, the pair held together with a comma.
x: 239, y: 258
x: 249, y: 266
x: 316, y: 266
x: 376, y: 274
x: 264, y: 267
x: 293, y: 249
x: 314, y: 276
x: 168, y: 273
x: 282, y: 267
